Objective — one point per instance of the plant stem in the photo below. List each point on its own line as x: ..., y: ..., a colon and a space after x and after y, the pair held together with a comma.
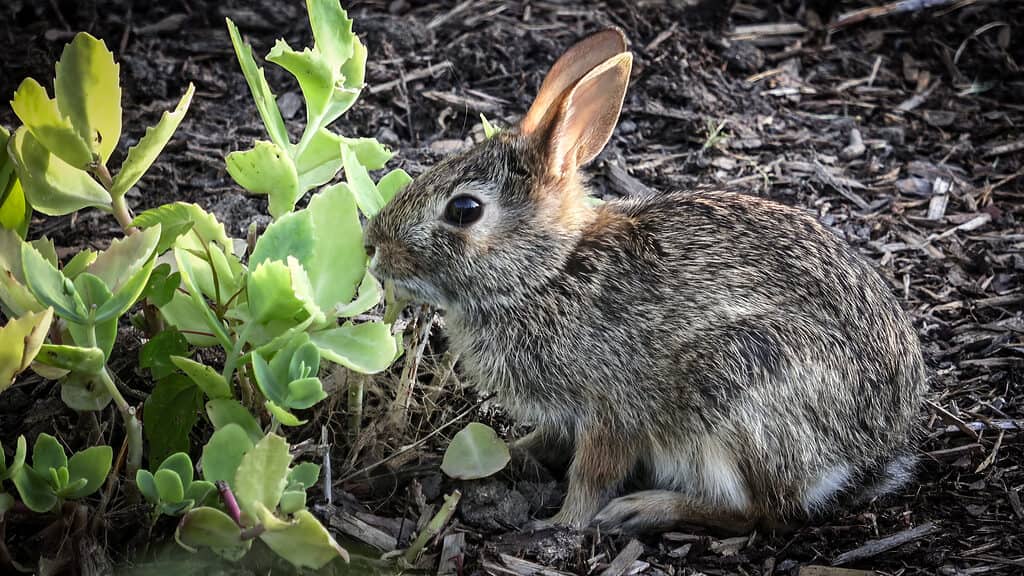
x: 132, y: 426
x: 230, y: 503
x: 356, y: 385
x: 118, y: 205
x: 392, y: 307
x: 123, y: 215
x: 433, y: 528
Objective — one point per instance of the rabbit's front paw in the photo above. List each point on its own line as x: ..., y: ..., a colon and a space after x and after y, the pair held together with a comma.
x: 558, y: 521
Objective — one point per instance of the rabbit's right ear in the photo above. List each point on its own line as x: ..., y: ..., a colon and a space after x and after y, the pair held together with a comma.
x: 570, y: 67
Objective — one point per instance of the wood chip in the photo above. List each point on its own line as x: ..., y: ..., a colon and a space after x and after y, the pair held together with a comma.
x: 621, y: 564
x: 350, y: 525
x: 520, y: 567
x: 452, y: 552
x: 873, y: 548
x: 833, y: 571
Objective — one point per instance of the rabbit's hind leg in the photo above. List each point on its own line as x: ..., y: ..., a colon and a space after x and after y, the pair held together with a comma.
x: 659, y: 510
x: 544, y: 446
x: 601, y: 463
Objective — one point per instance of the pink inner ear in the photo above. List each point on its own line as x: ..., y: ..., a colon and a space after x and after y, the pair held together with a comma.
x: 567, y: 70
x: 588, y: 115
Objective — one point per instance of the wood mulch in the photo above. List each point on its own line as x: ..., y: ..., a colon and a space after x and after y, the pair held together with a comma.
x: 901, y: 132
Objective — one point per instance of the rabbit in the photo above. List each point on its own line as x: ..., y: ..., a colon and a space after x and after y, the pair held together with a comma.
x: 731, y: 355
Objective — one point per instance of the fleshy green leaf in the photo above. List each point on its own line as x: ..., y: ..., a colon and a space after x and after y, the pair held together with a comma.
x: 53, y: 130
x: 51, y: 185
x: 391, y: 183
x: 9, y: 470
x: 176, y: 219
x: 266, y: 103
x: 88, y: 360
x: 367, y: 348
x: 14, y: 295
x: 48, y: 453
x: 305, y: 392
x: 126, y: 296
x: 354, y: 70
x: 20, y: 341
x: 369, y: 152
x: 207, y: 379
x: 209, y: 527
x: 91, y: 465
x: 267, y: 169
x: 489, y: 129
x: 199, y: 491
x: 260, y: 477
x: 125, y: 257
x: 180, y: 464
x: 170, y: 412
x: 88, y: 90
x: 332, y: 30
x: 475, y: 452
x: 142, y: 155
x: 156, y: 354
x: 292, y: 501
x: 304, y: 542
x: 147, y: 485
x: 14, y: 209
x: 51, y: 287
x: 161, y: 285
x: 274, y: 388
x: 224, y: 411
x: 337, y: 263
x: 223, y: 454
x: 271, y: 296
x: 320, y: 161
x: 34, y: 489
x: 363, y: 188
x: 291, y: 235
x: 303, y: 475
x: 370, y: 293
x: 168, y: 485
x: 84, y: 392
x: 314, y: 74
x: 282, y: 415
x: 79, y: 263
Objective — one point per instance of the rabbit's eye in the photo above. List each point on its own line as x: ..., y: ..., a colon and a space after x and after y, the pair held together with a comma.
x: 463, y: 211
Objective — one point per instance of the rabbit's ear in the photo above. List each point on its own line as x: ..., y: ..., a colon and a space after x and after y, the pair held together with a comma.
x: 587, y: 116
x: 586, y: 55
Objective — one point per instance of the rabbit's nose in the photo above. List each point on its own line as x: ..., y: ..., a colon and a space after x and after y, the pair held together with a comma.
x: 371, y: 250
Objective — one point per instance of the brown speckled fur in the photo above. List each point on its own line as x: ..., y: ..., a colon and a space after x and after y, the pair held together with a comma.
x: 728, y: 352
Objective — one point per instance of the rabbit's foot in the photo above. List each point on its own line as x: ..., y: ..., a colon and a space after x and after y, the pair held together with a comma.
x: 659, y: 510
x: 558, y: 521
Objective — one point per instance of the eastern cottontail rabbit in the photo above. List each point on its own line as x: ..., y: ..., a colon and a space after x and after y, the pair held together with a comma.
x: 730, y: 352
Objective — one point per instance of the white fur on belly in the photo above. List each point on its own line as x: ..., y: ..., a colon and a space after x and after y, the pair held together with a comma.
x: 821, y: 493
x: 704, y: 469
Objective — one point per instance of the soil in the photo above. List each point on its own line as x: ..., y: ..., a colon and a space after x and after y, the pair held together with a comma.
x: 902, y: 134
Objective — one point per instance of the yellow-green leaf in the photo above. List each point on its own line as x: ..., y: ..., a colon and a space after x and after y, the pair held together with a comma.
x: 332, y: 30
x: 15, y: 212
x: 267, y: 169
x: 142, y: 155
x: 314, y: 74
x: 367, y: 348
x: 304, y: 541
x: 266, y: 103
x: 51, y: 185
x: 125, y: 257
x: 44, y: 120
x: 20, y: 340
x: 88, y: 90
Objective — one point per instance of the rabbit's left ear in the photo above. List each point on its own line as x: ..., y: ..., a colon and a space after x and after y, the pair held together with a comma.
x: 587, y: 115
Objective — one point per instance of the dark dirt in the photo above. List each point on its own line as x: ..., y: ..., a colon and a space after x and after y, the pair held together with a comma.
x: 931, y: 189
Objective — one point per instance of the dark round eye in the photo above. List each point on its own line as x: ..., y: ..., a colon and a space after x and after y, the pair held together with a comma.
x: 463, y: 211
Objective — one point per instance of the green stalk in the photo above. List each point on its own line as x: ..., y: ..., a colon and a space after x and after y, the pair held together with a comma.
x: 433, y: 528
x: 118, y: 206
x: 132, y: 426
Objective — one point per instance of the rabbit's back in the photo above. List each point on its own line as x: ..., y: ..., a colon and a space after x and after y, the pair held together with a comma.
x: 796, y: 370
